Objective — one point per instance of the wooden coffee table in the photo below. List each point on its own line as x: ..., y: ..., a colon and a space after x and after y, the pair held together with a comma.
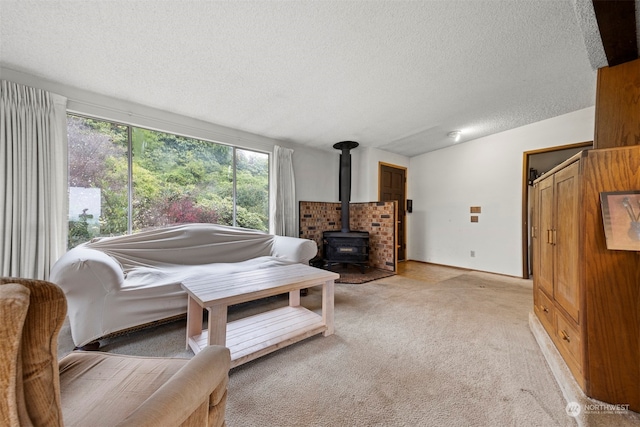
x: 255, y: 336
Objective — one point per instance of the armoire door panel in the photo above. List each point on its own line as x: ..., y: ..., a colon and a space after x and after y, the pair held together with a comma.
x: 565, y: 240
x: 545, y: 199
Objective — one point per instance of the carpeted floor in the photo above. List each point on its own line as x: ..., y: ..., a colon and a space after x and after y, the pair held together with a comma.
x: 456, y: 351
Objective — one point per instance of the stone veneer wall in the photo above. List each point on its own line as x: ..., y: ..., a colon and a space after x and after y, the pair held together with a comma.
x: 378, y: 218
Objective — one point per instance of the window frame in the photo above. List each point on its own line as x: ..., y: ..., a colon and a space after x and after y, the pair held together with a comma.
x: 130, y: 189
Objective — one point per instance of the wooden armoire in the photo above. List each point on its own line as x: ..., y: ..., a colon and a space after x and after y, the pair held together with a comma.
x: 587, y: 296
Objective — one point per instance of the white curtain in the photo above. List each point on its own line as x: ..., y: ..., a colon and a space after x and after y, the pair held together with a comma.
x: 33, y: 180
x: 284, y: 215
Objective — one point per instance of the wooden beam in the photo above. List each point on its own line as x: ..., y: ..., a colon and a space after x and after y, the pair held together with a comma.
x: 617, y: 121
x: 617, y: 24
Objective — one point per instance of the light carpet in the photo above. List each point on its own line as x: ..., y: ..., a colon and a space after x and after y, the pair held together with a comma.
x: 406, y: 352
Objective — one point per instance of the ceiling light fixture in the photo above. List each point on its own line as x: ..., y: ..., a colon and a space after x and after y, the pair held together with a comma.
x: 455, y: 135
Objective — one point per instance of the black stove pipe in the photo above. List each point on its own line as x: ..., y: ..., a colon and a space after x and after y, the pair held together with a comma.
x: 345, y: 180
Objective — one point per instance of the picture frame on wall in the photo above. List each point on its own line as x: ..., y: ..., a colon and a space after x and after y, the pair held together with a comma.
x: 621, y: 218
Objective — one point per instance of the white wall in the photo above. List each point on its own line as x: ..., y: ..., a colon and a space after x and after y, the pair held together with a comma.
x: 486, y: 172
x: 364, y: 176
x: 317, y: 173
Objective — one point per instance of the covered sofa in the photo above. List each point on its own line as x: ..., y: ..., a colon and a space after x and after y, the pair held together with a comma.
x: 118, y: 283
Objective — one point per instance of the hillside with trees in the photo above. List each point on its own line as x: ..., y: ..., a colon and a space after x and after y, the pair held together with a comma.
x: 175, y: 180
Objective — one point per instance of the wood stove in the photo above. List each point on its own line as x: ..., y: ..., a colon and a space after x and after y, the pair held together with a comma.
x: 346, y: 246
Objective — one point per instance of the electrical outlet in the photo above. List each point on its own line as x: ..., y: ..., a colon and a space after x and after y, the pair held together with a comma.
x: 473, y: 254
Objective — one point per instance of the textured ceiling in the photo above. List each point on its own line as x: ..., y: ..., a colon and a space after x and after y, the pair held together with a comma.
x: 396, y: 75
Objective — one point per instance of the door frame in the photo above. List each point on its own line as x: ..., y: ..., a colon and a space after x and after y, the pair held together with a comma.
x: 404, y: 222
x: 526, y: 229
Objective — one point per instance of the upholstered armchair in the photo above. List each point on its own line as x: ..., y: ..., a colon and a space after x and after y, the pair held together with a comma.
x: 94, y: 388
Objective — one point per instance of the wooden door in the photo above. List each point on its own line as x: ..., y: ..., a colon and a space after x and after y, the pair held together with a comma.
x: 393, y: 183
x: 565, y: 240
x: 545, y: 252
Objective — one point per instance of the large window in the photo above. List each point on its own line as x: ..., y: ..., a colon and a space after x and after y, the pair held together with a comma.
x: 124, y: 179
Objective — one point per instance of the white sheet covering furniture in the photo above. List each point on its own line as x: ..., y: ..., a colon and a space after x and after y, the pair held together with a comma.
x: 116, y: 283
